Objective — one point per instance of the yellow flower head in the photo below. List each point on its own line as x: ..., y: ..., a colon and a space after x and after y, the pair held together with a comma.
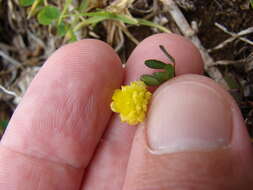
x: 131, y: 102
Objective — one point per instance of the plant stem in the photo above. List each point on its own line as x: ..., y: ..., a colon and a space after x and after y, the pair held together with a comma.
x: 33, y: 8
x: 66, y: 5
x: 167, y: 54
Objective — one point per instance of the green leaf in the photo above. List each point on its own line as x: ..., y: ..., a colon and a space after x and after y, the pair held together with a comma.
x: 99, y: 16
x: 251, y: 2
x: 170, y: 71
x: 48, y: 14
x: 26, y: 3
x: 151, y: 24
x: 71, y: 36
x: 105, y: 15
x: 161, y: 76
x: 155, y: 64
x: 112, y: 16
x: 125, y: 19
x: 231, y: 82
x: 150, y: 80
x: 62, y: 29
x: 3, y: 124
x: 84, y: 5
x: 92, y: 20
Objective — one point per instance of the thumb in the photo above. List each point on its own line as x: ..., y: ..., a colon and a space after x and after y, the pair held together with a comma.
x: 194, y: 138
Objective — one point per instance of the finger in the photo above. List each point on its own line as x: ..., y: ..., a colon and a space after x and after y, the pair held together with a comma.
x: 186, y: 55
x: 54, y: 131
x: 112, y: 156
x: 194, y: 138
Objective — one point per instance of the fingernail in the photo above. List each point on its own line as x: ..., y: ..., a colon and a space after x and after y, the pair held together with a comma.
x: 188, y: 116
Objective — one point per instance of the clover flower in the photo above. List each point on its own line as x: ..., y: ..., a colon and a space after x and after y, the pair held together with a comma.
x: 131, y: 102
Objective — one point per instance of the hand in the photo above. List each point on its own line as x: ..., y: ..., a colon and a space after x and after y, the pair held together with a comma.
x: 64, y: 136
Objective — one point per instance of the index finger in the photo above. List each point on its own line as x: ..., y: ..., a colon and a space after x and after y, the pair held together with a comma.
x: 54, y: 131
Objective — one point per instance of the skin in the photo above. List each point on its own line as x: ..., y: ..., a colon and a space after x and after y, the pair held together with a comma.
x: 64, y: 136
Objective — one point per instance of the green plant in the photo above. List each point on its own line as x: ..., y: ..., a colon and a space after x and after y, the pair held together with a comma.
x: 3, y: 125
x: 25, y: 3
x: 70, y: 19
x: 157, y: 78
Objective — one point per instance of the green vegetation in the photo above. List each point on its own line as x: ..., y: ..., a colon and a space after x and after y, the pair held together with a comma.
x: 70, y: 19
x: 3, y: 125
x: 157, y: 78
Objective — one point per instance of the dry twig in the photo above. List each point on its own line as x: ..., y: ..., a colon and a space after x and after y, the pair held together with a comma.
x: 233, y: 37
x: 9, y: 59
x: 186, y: 29
x: 11, y: 93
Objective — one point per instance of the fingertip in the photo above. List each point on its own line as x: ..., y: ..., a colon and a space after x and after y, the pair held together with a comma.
x: 187, y: 56
x: 220, y: 115
x: 194, y: 135
x: 56, y: 128
x: 88, y: 51
x: 73, y: 86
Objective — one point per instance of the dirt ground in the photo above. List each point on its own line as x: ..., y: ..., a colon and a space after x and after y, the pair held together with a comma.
x: 25, y: 45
